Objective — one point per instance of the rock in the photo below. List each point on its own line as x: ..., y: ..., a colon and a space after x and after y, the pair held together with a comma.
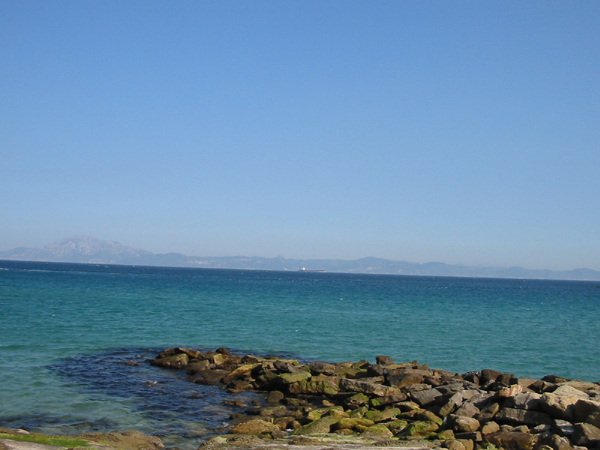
x: 254, y: 426
x: 467, y: 443
x: 421, y: 428
x: 318, y: 368
x: 275, y: 397
x: 381, y: 416
x: 382, y: 401
x: 586, y: 435
x: 356, y: 400
x: 320, y: 426
x: 384, y: 360
x: 427, y: 397
x: 404, y: 379
x: 488, y: 413
x: 192, y: 354
x: 397, y: 425
x: 463, y: 424
x: 352, y: 422
x: 209, y: 377
x: 128, y: 440
x: 445, y: 435
x: 377, y: 432
x: 568, y: 390
x: 521, y: 416
x: 429, y: 416
x: 285, y: 367
x: 470, y: 435
x: 453, y: 445
x: 584, y: 409
x: 490, y: 427
x: 179, y: 361
x: 593, y: 419
x: 510, y: 391
x: 528, y: 400
x: 559, y: 406
x: 488, y: 375
x: 313, y: 387
x: 563, y: 427
x: 512, y: 441
x: 287, y: 378
x: 407, y: 406
x: 196, y: 367
x: 447, y: 409
x: 367, y: 388
x: 467, y: 410
x: 217, y: 359
x: 359, y: 413
x: 554, y: 442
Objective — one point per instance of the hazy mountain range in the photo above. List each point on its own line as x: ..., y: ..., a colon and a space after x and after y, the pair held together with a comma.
x: 86, y: 249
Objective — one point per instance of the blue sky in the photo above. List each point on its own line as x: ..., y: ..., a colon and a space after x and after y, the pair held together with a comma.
x: 461, y: 132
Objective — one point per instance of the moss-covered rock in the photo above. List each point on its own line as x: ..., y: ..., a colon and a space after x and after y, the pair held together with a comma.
x: 353, y: 422
x: 397, y: 425
x: 320, y: 426
x: 420, y: 428
x: 377, y: 432
x: 381, y: 416
x: 313, y: 387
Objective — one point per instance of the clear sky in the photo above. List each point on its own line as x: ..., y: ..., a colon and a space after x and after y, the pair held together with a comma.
x: 460, y: 132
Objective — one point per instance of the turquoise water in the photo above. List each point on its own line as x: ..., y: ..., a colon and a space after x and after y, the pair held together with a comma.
x: 65, y: 329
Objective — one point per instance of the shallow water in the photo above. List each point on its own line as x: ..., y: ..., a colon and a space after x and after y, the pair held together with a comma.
x: 67, y: 329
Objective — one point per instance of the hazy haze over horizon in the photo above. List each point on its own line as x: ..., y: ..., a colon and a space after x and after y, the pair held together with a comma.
x: 460, y: 132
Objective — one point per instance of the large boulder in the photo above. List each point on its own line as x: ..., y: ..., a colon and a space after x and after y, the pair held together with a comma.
x: 559, y: 406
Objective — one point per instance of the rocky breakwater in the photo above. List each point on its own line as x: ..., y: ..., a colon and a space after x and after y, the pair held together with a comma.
x: 391, y: 404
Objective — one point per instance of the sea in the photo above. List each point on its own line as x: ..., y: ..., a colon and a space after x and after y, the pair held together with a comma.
x: 75, y: 339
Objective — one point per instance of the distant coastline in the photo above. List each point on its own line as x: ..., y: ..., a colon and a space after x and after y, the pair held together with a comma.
x: 89, y: 250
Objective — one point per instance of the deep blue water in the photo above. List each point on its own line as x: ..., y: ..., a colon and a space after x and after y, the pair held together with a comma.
x: 66, y: 329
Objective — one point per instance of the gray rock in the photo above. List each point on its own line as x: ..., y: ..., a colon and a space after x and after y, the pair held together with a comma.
x: 427, y: 397
x: 524, y: 417
x: 527, y: 400
x: 586, y: 434
x: 563, y: 427
x: 467, y: 410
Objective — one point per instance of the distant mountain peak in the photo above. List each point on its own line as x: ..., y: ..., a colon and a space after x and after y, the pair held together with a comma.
x: 79, y: 248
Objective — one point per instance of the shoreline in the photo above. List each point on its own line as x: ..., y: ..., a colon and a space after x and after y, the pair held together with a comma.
x: 352, y: 405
